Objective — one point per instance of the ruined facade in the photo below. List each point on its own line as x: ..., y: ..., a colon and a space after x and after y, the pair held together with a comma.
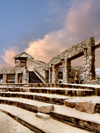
x: 24, y: 63
x: 27, y: 68
x: 25, y: 60
x: 14, y: 75
x: 85, y: 48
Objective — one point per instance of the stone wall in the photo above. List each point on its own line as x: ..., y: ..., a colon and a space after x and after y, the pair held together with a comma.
x: 13, y: 70
x: 86, y: 48
x: 8, y: 70
x: 31, y: 63
x: 40, y: 69
x: 74, y: 51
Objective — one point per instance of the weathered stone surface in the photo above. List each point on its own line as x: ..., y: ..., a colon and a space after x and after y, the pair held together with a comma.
x: 42, y: 116
x: 86, y: 48
x: 69, y: 103
x: 85, y: 124
x: 46, y: 108
x: 88, y: 107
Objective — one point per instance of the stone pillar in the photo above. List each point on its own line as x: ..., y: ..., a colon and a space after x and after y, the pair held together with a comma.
x: 16, y: 78
x: 66, y: 66
x: 89, y: 62
x: 85, y: 63
x: 50, y: 75
x: 25, y: 76
x: 92, y: 59
x: 4, y: 78
x: 68, y: 71
x: 46, y: 76
x: 55, y: 74
x: 64, y: 69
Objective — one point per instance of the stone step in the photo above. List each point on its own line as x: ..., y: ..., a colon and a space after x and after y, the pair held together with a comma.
x: 71, y: 116
x: 88, y: 104
x: 43, y: 85
x: 60, y: 91
x: 49, y: 98
x: 9, y: 125
x: 83, y: 104
x: 27, y: 104
x: 36, y: 124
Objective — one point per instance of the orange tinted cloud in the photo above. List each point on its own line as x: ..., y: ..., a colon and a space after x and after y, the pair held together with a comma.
x: 81, y: 22
x: 46, y: 48
x: 8, y: 56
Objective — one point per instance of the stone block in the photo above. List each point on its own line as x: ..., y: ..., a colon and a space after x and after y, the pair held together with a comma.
x: 88, y: 107
x: 69, y: 103
x: 46, y: 108
x: 42, y: 116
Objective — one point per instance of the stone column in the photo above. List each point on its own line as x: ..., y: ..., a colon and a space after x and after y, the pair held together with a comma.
x: 25, y: 76
x: 68, y: 71
x: 55, y: 74
x: 64, y: 69
x: 16, y: 78
x: 4, y: 78
x: 46, y: 76
x: 66, y: 66
x: 50, y: 75
x: 85, y: 63
x: 89, y: 63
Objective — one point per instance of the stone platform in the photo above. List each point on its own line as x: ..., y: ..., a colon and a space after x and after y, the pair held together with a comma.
x: 38, y: 125
x: 30, y: 98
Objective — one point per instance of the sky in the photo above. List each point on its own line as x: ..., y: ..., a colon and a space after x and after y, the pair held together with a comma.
x: 45, y: 28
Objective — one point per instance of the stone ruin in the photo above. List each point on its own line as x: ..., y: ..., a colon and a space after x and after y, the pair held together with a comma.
x: 27, y: 68
x: 86, y: 49
x: 28, y: 102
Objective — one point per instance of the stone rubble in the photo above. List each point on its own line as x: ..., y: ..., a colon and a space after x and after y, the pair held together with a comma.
x: 88, y: 107
x: 42, y: 116
x: 46, y: 108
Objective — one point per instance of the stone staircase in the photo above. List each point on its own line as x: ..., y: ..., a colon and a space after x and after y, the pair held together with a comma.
x: 59, y: 102
x: 39, y: 75
x: 33, y: 78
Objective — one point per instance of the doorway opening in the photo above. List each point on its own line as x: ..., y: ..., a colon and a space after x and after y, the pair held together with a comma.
x: 77, y: 71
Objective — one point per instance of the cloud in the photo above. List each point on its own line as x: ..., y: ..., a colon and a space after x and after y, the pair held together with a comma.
x: 83, y: 18
x: 4, y: 64
x: 45, y: 49
x: 8, y: 56
x: 80, y: 21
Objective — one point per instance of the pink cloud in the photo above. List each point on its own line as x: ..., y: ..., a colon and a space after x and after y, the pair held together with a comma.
x: 44, y: 49
x: 8, y: 56
x: 80, y: 22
